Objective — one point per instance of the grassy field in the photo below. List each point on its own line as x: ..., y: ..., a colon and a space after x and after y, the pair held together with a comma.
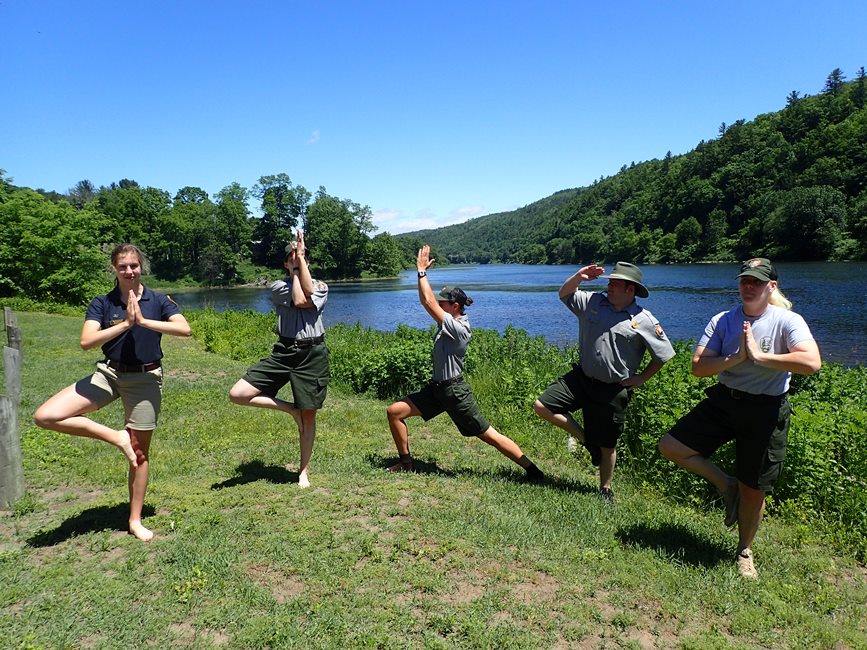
x: 461, y: 554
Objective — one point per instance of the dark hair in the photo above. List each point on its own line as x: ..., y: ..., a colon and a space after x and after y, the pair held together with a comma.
x: 455, y: 294
x: 125, y: 249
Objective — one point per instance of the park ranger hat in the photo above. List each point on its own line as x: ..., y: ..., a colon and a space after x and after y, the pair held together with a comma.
x: 759, y: 267
x: 630, y: 272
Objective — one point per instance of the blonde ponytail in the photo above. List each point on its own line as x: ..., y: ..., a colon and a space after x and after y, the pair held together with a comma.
x: 779, y: 300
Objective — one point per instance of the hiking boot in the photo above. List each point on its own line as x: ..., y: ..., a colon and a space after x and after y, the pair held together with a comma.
x: 607, y: 495
x: 745, y: 564
x: 733, y: 498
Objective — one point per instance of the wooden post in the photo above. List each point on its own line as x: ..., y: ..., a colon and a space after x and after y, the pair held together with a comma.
x: 11, y: 467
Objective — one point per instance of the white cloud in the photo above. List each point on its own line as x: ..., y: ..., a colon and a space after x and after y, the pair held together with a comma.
x: 462, y: 214
x: 396, y: 221
x: 314, y: 137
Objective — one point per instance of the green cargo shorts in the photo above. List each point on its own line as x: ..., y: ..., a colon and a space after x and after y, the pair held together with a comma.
x: 305, y: 368
x: 457, y: 400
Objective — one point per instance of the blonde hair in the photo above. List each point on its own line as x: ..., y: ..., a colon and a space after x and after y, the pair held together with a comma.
x: 778, y: 299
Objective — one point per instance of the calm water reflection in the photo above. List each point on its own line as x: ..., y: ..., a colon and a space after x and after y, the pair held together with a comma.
x: 832, y: 297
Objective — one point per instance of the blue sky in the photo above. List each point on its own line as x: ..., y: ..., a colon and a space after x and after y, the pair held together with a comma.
x: 429, y: 113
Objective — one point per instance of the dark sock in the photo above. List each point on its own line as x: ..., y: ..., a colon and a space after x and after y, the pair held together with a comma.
x: 534, y: 472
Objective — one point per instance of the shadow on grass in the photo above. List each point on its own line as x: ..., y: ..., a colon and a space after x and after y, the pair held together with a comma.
x: 419, y: 466
x: 256, y: 470
x: 91, y: 520
x: 676, y: 543
x: 519, y: 476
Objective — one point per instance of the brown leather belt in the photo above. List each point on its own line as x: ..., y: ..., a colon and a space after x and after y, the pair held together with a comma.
x: 122, y: 367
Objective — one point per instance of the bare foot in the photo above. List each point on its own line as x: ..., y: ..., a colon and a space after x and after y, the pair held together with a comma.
x: 303, y: 480
x: 124, y: 443
x: 142, y: 533
x: 400, y: 467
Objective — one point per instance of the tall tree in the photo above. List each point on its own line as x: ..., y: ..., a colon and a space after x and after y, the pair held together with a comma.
x: 834, y: 82
x: 336, y: 231
x: 283, y: 206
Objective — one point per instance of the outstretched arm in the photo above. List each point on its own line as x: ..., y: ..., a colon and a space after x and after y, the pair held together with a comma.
x: 425, y: 294
x: 584, y: 274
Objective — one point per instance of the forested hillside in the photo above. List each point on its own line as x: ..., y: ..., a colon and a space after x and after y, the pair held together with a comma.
x: 791, y: 185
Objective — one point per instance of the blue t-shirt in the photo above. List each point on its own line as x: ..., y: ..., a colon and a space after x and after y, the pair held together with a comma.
x: 138, y: 345
x: 777, y: 331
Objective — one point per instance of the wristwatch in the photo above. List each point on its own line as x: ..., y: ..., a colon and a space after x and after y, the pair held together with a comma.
x: 422, y: 274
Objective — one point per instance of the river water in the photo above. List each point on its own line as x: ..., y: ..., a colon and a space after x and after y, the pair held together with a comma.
x: 832, y: 297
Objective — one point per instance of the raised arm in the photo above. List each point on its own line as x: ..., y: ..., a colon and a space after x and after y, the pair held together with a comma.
x: 425, y: 294
x: 584, y: 274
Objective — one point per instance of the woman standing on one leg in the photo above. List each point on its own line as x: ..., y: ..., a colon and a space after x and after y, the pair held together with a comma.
x: 448, y: 391
x: 128, y: 323
x: 299, y: 356
x: 753, y: 349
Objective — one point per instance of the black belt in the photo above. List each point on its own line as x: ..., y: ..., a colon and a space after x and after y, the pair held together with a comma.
x: 303, y: 343
x: 736, y: 394
x: 123, y: 367
x: 447, y: 382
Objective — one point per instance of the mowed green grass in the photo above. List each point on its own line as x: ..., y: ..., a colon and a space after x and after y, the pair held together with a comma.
x: 462, y: 554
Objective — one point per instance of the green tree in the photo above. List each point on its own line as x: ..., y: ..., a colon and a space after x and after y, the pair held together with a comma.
x: 383, y: 256
x: 50, y: 251
x: 283, y: 206
x: 807, y: 223
x: 834, y: 82
x: 336, y: 232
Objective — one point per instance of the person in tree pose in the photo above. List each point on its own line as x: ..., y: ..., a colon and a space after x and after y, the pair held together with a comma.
x: 299, y: 357
x: 753, y: 349
x: 128, y: 323
x: 614, y: 333
x: 448, y: 390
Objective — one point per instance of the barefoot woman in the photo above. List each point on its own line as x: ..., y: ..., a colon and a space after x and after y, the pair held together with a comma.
x: 128, y: 323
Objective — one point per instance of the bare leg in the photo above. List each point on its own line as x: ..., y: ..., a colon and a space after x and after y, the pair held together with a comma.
x: 307, y: 435
x: 64, y: 413
x: 563, y: 420
x: 693, y: 461
x: 138, y: 483
x: 606, y: 467
x: 750, y: 512
x: 397, y: 414
x: 505, y: 445
x: 244, y: 393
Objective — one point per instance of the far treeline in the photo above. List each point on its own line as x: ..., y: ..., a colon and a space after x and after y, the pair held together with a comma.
x: 790, y: 185
x: 54, y: 247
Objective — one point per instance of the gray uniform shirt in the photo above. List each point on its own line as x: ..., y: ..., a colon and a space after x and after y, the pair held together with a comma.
x: 777, y: 330
x: 450, y: 345
x: 612, y: 342
x: 296, y: 323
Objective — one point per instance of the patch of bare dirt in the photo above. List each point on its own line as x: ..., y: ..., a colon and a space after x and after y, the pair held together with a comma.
x: 282, y: 586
